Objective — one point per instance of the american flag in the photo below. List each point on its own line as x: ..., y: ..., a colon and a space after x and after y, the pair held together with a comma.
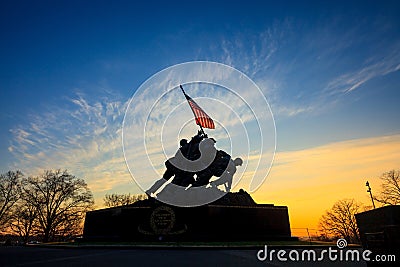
x: 201, y: 117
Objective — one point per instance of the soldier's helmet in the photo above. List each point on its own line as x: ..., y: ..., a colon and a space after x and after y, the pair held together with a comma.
x: 238, y: 162
x: 183, y: 142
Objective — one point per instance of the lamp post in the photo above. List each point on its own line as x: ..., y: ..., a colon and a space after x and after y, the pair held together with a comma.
x: 370, y: 193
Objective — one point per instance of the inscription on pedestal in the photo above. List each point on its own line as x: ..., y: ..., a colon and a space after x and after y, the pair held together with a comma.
x: 162, y: 220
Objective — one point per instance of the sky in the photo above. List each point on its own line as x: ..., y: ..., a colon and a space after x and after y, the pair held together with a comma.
x: 328, y: 69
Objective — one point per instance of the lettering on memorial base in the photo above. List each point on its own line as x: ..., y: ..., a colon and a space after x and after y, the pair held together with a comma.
x: 162, y: 220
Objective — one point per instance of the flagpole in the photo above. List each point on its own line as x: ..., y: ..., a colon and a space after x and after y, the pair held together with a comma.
x: 201, y: 128
x: 183, y: 91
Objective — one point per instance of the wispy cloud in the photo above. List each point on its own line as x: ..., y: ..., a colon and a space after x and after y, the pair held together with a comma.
x: 304, y: 74
x: 83, y: 136
x: 373, y: 67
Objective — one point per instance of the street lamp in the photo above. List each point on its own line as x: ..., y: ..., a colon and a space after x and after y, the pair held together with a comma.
x: 370, y: 193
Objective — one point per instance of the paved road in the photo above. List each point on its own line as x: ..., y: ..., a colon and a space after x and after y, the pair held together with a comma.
x: 35, y: 256
x: 28, y: 256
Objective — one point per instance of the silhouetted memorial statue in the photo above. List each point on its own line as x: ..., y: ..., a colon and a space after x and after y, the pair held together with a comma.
x: 226, y: 176
x: 195, y: 163
x: 196, y: 205
x: 198, y: 160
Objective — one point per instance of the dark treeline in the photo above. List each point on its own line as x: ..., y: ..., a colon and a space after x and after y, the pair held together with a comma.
x: 340, y: 221
x: 49, y: 207
x: 115, y: 200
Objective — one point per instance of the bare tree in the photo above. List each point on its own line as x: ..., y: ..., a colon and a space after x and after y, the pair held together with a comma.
x: 9, y: 194
x: 115, y: 200
x: 60, y: 200
x: 23, y: 221
x: 390, y: 188
x: 340, y: 221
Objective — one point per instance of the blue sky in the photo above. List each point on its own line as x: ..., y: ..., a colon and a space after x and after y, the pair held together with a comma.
x: 329, y: 69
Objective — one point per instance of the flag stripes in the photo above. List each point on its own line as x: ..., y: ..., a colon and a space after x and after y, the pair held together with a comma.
x: 201, y: 117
